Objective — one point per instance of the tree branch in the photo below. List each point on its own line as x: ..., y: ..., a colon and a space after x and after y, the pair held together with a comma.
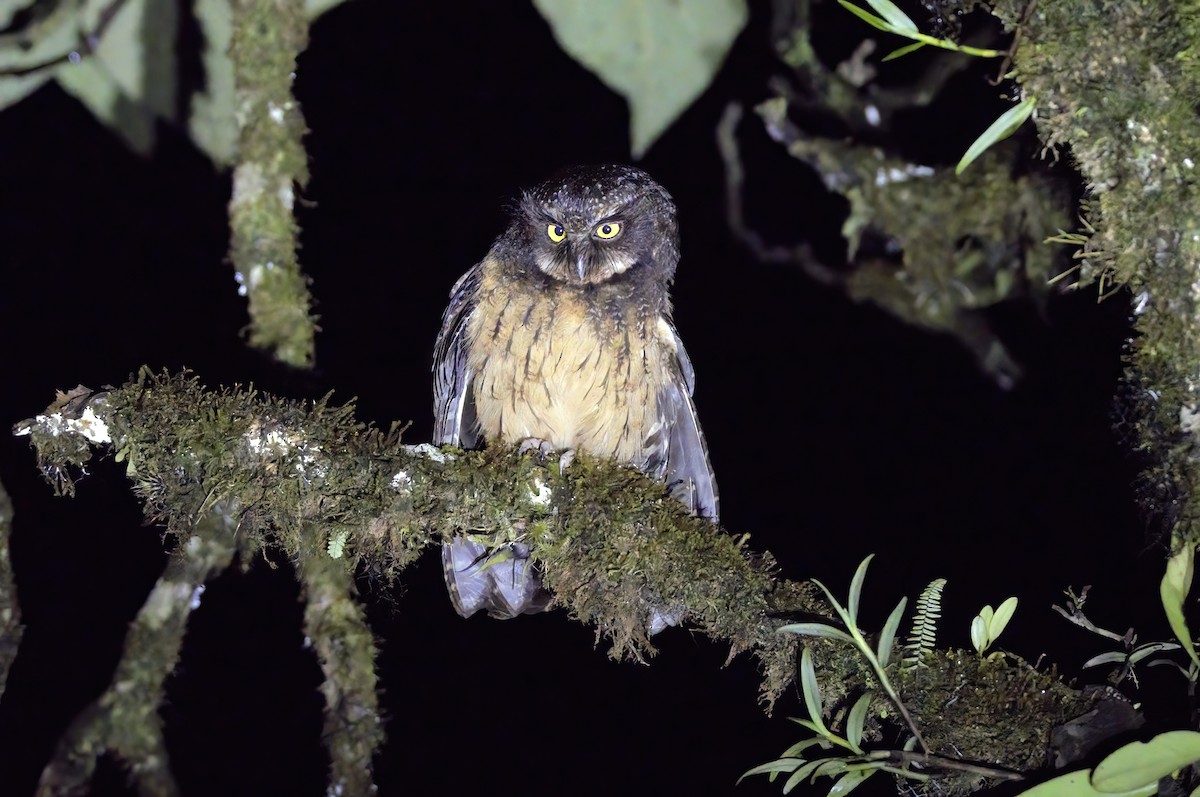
x: 336, y: 495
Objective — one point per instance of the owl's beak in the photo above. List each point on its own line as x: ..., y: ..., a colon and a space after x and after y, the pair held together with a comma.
x: 581, y: 266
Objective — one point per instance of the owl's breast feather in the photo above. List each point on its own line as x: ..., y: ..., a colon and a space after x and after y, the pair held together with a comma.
x: 548, y: 366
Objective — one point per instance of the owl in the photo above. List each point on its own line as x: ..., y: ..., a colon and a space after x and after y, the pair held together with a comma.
x: 563, y: 336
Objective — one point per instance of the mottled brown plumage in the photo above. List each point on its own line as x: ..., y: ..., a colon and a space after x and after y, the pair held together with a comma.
x: 563, y: 334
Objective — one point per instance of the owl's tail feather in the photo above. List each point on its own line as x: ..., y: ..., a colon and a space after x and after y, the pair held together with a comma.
x: 505, y: 583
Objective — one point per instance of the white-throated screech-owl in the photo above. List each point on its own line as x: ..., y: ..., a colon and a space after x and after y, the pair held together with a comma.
x: 563, y: 335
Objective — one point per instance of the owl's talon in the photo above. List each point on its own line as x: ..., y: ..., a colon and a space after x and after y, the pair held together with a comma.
x: 536, y: 445
x: 565, y: 460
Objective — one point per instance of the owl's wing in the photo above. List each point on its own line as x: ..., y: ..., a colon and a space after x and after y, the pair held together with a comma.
x: 453, y: 408
x: 510, y: 586
x: 688, y: 471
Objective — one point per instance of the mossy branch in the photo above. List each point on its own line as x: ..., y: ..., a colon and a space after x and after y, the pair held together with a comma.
x: 315, y: 483
x: 338, y: 497
x: 271, y: 163
x: 124, y: 720
x: 1128, y: 114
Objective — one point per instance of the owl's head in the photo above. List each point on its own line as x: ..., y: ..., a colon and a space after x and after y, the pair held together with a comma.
x: 589, y: 224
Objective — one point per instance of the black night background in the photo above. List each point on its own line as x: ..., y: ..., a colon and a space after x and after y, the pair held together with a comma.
x: 835, y: 430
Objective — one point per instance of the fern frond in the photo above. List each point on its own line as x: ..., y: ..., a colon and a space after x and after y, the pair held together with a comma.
x: 923, y: 637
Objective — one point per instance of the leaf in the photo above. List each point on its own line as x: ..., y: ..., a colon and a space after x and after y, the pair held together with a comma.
x: 829, y: 767
x: 1077, y: 784
x: 866, y: 16
x: 815, y: 629
x: 812, y: 692
x: 211, y: 121
x: 1176, y: 583
x: 856, y: 585
x: 899, y: 52
x: 51, y: 42
x: 999, y: 620
x: 138, y: 51
x: 129, y: 79
x: 887, y: 637
x: 810, y: 725
x: 800, y: 746
x: 9, y: 9
x: 999, y: 130
x: 837, y: 607
x: 1105, y: 658
x: 801, y: 774
x: 660, y: 55
x: 978, y: 634
x: 857, y: 719
x: 847, y: 783
x: 779, y: 765
x: 895, y: 17
x: 315, y: 8
x: 1150, y: 649
x: 14, y: 88
x: 1142, y: 763
x: 88, y: 82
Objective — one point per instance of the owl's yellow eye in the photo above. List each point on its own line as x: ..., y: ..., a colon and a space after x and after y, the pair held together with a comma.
x: 556, y: 232
x: 609, y: 229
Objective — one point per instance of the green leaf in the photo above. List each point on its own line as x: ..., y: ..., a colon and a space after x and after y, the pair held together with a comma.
x: 9, y: 9
x: 857, y: 719
x: 856, y: 585
x: 810, y: 725
x: 315, y: 8
x: 1140, y: 764
x: 129, y: 79
x: 899, y: 52
x: 979, y: 634
x: 887, y: 636
x: 999, y: 130
x: 837, y: 607
x: 211, y: 121
x: 1000, y: 619
x: 829, y: 767
x: 812, y: 691
x: 1078, y: 784
x: 92, y: 85
x: 847, y: 783
x: 1176, y: 583
x: 815, y: 629
x: 779, y: 765
x: 57, y: 34
x: 895, y: 17
x: 14, y: 88
x: 801, y: 774
x: 799, y: 747
x: 1105, y: 658
x: 866, y: 16
x: 660, y: 55
x: 1142, y: 651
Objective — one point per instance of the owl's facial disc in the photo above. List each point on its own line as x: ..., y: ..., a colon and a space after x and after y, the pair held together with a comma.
x: 589, y: 224
x: 576, y: 251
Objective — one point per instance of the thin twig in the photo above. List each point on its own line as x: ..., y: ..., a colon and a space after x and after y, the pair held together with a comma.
x: 735, y: 177
x: 1012, y: 48
x: 906, y: 758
